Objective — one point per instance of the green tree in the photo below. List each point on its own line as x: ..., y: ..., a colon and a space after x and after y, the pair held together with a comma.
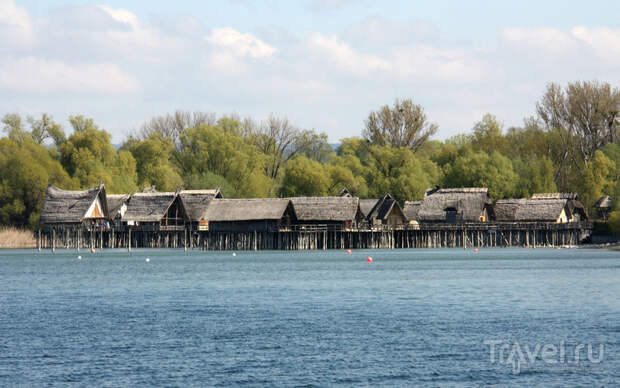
x: 403, y: 125
x: 26, y: 169
x: 153, y: 160
x: 304, y: 177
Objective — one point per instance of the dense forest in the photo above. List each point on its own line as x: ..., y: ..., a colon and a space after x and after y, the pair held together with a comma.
x: 570, y: 145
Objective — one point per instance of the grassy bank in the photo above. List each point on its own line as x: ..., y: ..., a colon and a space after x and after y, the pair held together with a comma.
x: 11, y: 237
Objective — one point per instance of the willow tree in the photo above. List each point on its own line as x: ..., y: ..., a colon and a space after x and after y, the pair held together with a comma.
x: 403, y: 125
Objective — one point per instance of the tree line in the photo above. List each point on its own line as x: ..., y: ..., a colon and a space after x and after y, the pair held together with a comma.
x: 570, y: 145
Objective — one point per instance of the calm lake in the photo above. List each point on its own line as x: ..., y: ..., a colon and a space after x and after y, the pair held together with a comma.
x: 441, y: 317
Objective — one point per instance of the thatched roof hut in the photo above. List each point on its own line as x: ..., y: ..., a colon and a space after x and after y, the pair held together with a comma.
x: 603, y: 207
x: 327, y: 210
x: 577, y: 210
x: 456, y: 205
x: 366, y: 206
x: 155, y: 208
x: 197, y: 201
x: 604, y: 203
x: 117, y: 205
x: 74, y: 207
x: 533, y: 210
x: 411, y: 210
x: 249, y: 209
x: 243, y: 215
x: 345, y: 192
x: 386, y: 211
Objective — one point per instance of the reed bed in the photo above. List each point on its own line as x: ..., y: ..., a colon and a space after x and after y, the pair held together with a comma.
x: 11, y: 237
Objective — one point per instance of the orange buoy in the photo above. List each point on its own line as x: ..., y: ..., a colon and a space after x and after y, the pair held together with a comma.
x: 369, y: 259
x: 92, y: 250
x: 475, y: 250
x: 348, y: 251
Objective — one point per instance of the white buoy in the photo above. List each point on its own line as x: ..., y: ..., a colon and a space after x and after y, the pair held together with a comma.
x: 234, y: 254
x: 147, y: 260
x: 79, y: 257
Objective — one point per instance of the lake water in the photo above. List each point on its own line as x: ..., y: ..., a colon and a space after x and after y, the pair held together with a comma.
x: 411, y: 317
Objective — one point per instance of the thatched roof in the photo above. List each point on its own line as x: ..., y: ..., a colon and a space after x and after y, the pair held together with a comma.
x: 250, y: 209
x: 197, y: 201
x: 555, y: 196
x: 366, y: 206
x: 325, y: 208
x: 65, y: 206
x: 115, y: 201
x: 528, y: 209
x: 345, y: 192
x: 469, y: 203
x: 383, y: 208
x: 410, y: 210
x: 148, y: 207
x: 604, y: 202
x: 572, y: 199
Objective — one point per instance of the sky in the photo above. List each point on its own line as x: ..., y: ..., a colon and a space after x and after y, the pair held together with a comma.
x: 324, y: 64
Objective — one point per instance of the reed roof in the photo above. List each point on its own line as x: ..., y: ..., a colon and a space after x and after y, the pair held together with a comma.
x: 555, y: 196
x: 68, y: 206
x: 246, y: 209
x: 148, y: 207
x: 604, y: 202
x: 529, y: 209
x: 197, y: 201
x: 366, y: 206
x: 469, y: 203
x: 325, y: 208
x: 383, y: 208
x: 115, y: 201
x: 410, y: 210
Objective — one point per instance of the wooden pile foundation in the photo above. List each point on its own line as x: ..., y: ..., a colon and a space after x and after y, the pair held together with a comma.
x: 534, y: 235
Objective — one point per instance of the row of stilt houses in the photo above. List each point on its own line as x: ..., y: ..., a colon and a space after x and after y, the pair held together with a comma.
x: 203, y: 219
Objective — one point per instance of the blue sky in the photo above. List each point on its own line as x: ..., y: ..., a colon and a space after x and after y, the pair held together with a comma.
x: 323, y: 63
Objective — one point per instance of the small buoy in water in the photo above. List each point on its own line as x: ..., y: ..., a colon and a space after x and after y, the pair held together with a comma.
x: 475, y: 250
x: 369, y: 259
x: 234, y: 254
x: 92, y: 250
x: 79, y: 257
x: 147, y: 259
x: 348, y: 251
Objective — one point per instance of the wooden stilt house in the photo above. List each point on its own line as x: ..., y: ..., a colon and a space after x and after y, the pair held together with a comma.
x: 603, y: 207
x: 553, y: 210
x: 117, y: 206
x: 336, y: 213
x: 410, y: 211
x: 386, y: 211
x: 456, y: 205
x: 71, y: 209
x: 196, y: 203
x: 577, y: 210
x: 156, y: 211
x: 248, y: 215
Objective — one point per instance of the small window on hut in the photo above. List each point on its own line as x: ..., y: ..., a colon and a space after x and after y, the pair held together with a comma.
x: 450, y: 214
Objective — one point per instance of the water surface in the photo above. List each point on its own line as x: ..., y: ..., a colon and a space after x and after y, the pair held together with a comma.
x: 306, y: 318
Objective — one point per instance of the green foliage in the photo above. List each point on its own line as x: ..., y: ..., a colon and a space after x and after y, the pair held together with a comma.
x: 479, y: 169
x: 218, y: 150
x: 153, y: 165
x: 26, y: 169
x: 304, y: 177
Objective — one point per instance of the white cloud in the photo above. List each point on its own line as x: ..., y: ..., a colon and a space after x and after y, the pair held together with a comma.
x: 545, y: 40
x: 36, y: 75
x: 239, y: 43
x: 604, y: 41
x: 121, y: 15
x: 16, y: 27
x: 345, y: 57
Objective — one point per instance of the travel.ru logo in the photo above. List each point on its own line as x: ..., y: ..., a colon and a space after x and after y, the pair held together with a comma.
x: 517, y: 355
